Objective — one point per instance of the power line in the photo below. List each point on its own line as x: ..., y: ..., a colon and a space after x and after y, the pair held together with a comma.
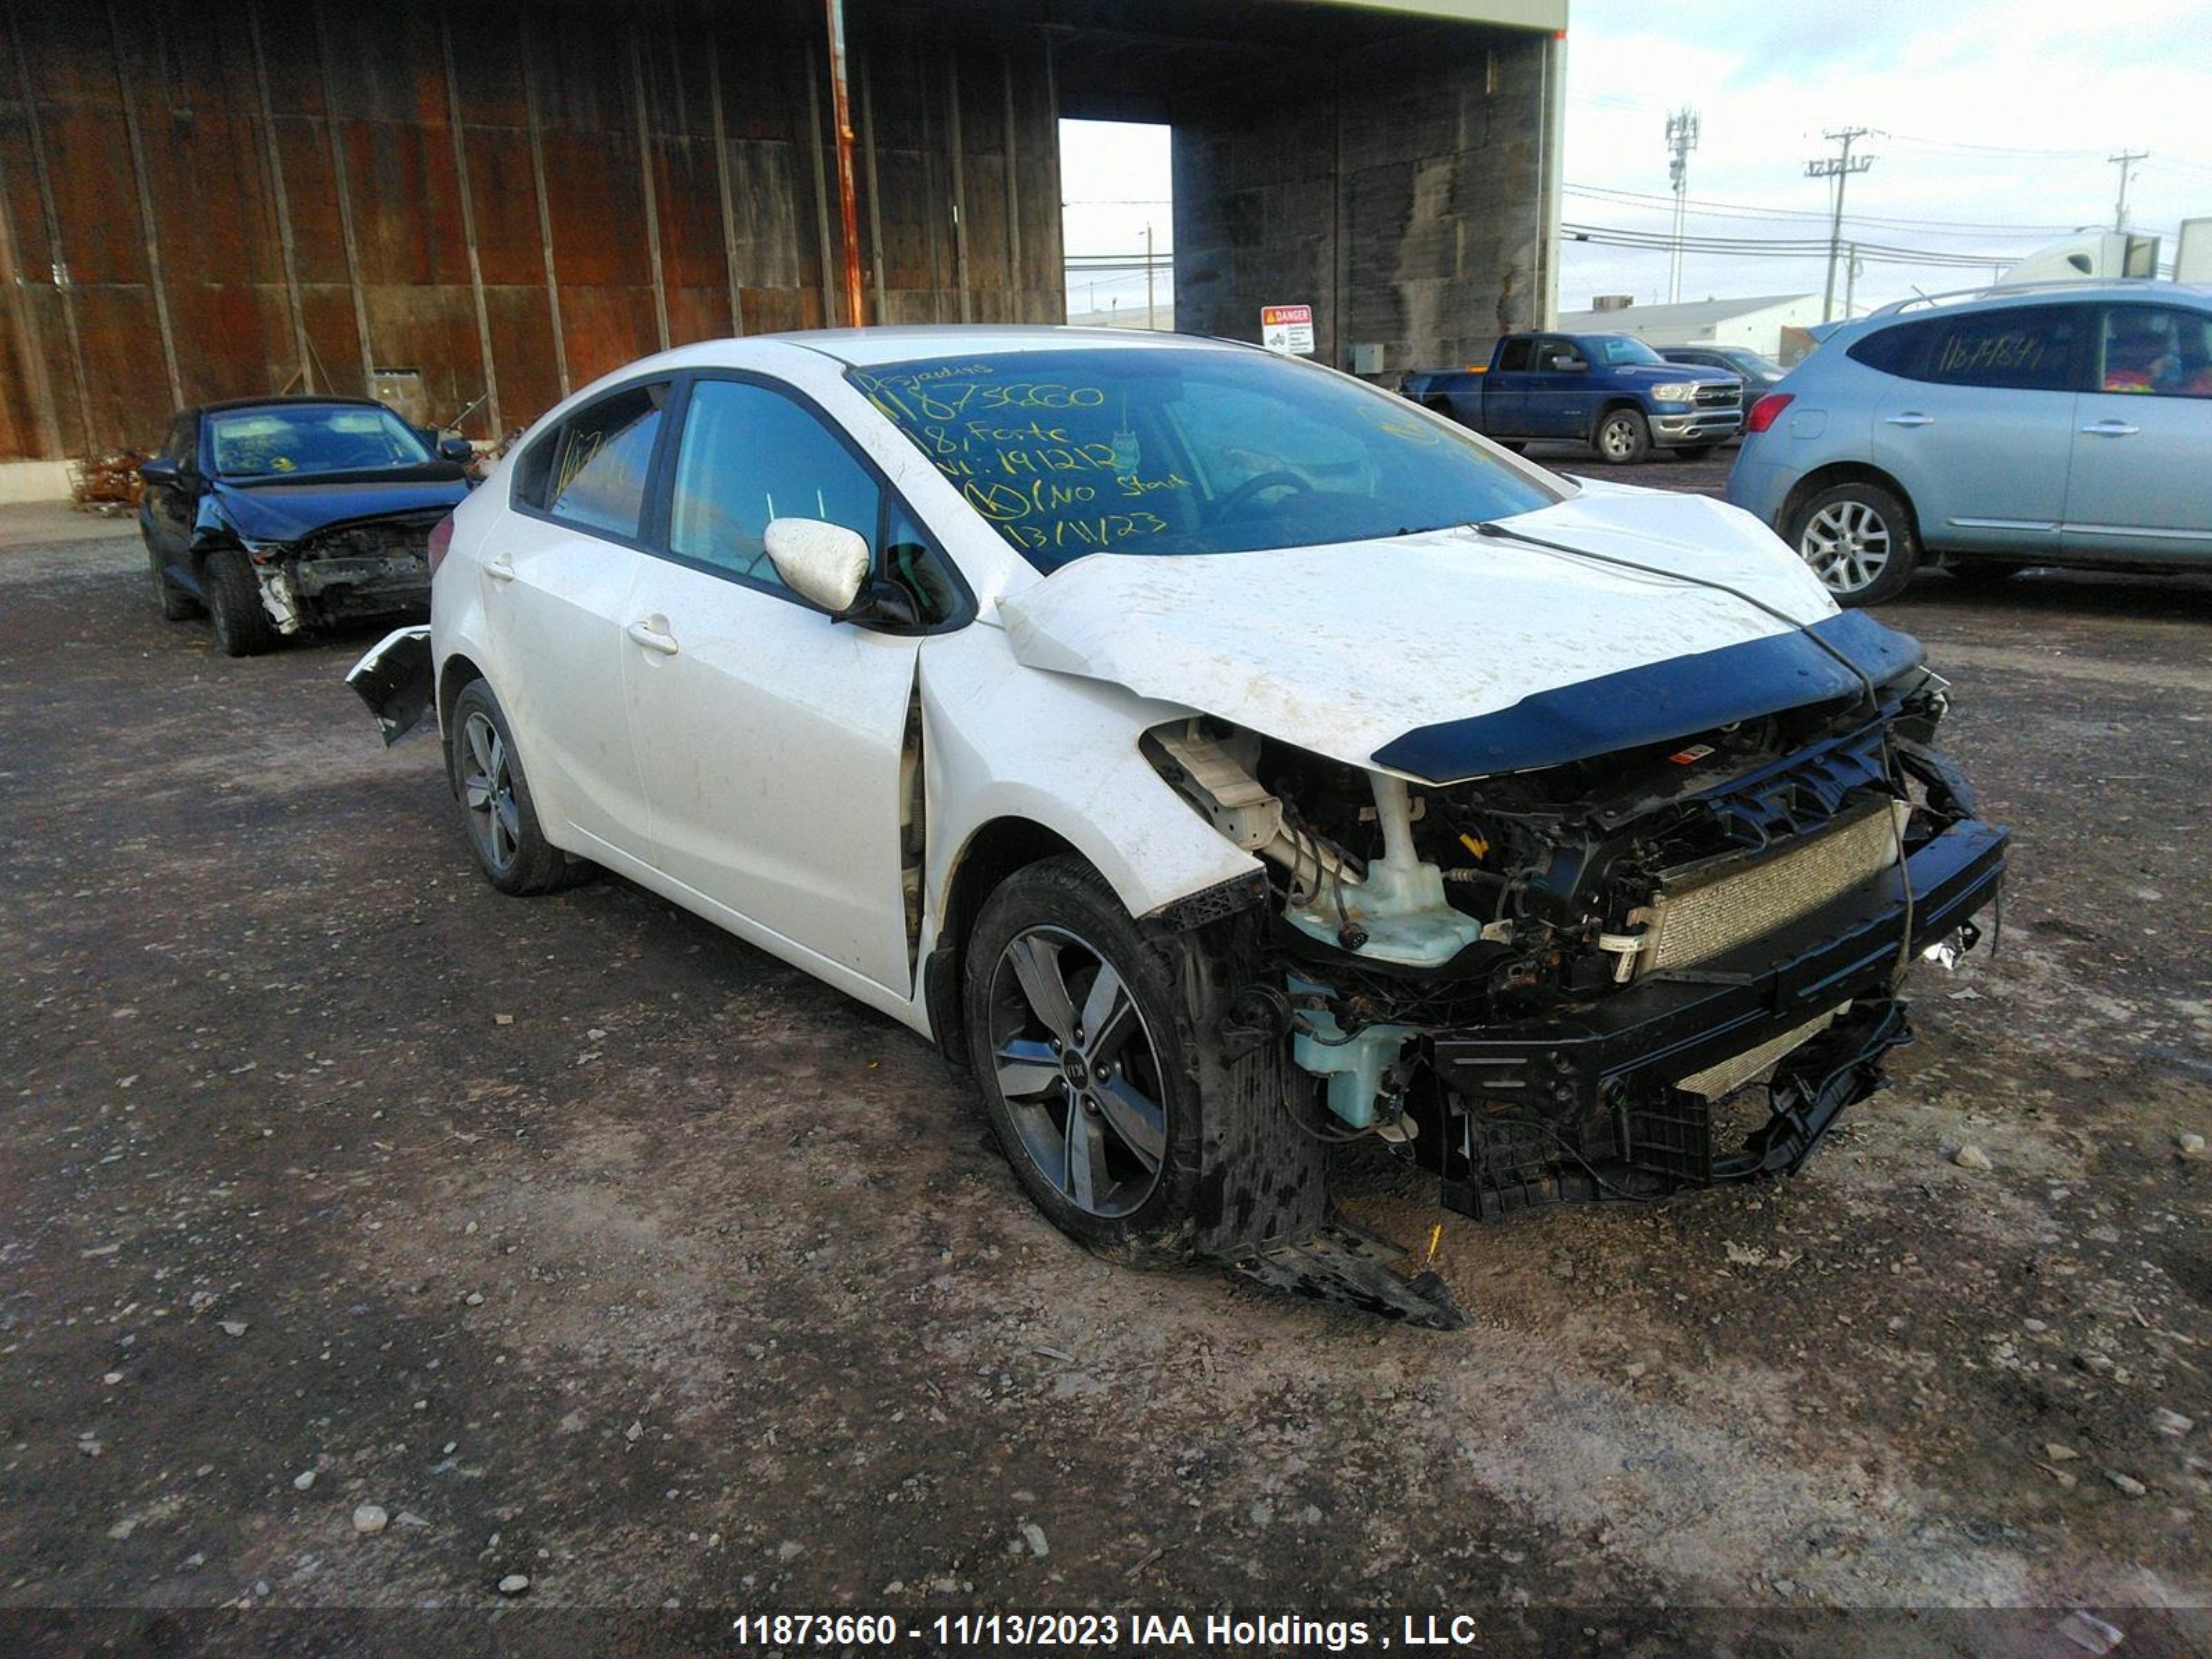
x: 1776, y: 247
x: 1709, y: 207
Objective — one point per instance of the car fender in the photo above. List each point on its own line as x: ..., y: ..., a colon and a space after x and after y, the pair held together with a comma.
x: 1002, y: 741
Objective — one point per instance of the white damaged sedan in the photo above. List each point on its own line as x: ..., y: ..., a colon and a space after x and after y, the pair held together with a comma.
x: 1222, y: 758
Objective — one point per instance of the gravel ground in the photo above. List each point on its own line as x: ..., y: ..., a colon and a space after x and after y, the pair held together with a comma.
x: 590, y: 1246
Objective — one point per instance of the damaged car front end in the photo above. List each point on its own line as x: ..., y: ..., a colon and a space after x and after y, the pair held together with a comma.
x: 1544, y: 984
x: 283, y: 516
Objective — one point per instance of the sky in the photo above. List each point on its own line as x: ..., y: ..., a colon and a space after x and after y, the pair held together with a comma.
x: 1992, y: 121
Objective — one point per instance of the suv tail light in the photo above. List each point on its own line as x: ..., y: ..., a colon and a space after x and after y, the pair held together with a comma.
x: 1766, y: 410
x: 441, y: 539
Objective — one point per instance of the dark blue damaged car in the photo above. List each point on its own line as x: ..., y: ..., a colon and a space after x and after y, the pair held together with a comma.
x: 279, y: 515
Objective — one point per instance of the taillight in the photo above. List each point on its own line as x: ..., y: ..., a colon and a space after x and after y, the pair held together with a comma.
x: 441, y: 539
x: 1764, y: 413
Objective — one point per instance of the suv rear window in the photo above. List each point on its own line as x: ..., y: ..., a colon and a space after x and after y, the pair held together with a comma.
x: 2022, y: 348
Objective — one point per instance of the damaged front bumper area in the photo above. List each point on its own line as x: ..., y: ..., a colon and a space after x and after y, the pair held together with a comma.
x: 1569, y: 980
x: 378, y: 568
x: 1623, y: 1098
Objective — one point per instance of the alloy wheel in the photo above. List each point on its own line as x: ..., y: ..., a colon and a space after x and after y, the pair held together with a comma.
x: 1079, y: 1071
x: 1617, y: 441
x: 488, y: 790
x: 1848, y: 545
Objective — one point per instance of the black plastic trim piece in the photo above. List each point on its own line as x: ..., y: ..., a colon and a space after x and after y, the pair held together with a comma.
x: 1660, y: 701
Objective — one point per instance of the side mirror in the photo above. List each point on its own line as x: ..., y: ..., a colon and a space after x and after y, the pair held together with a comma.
x: 457, y: 448
x: 825, y: 564
x: 159, y: 471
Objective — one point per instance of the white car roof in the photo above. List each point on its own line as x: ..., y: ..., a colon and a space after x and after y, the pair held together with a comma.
x: 865, y: 348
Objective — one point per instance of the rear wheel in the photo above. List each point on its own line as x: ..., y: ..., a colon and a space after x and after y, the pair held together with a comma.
x: 175, y: 604
x: 1072, y: 1027
x: 1858, y: 538
x: 1622, y: 437
x: 495, y: 804
x: 242, y: 626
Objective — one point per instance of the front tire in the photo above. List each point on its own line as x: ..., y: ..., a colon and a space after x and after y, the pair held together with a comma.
x: 242, y: 626
x: 1859, y: 540
x: 1072, y: 1029
x: 495, y: 802
x: 1622, y: 437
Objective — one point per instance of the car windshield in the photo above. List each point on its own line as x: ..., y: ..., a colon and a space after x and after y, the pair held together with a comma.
x: 297, y: 439
x: 1621, y: 349
x: 1751, y: 363
x: 1164, y: 450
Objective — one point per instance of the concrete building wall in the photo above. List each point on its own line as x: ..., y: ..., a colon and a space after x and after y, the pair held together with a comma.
x: 1400, y: 187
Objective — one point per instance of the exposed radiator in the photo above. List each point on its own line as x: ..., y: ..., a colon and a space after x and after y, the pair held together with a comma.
x: 1706, y: 910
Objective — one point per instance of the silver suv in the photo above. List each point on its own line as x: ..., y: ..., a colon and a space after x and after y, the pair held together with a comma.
x: 2055, y: 425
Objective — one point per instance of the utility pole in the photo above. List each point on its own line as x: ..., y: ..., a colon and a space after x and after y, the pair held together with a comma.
x: 2125, y: 160
x: 1851, y: 276
x: 1681, y: 139
x: 1839, y: 167
x: 1149, y: 319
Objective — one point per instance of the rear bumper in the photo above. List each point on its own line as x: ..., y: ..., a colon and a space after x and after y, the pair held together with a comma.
x: 1600, y: 1082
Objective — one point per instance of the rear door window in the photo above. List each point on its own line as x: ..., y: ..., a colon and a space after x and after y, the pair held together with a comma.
x: 592, y: 471
x: 1516, y: 356
x: 2159, y: 349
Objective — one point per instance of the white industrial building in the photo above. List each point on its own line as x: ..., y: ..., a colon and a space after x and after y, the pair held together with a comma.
x: 1755, y: 323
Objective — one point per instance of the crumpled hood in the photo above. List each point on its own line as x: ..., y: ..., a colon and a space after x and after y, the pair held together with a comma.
x: 1342, y: 650
x: 286, y: 512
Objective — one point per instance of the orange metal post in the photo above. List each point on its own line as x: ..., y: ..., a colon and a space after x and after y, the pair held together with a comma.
x: 847, y: 201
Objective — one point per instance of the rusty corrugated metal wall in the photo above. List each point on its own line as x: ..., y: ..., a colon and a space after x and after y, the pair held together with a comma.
x: 207, y: 199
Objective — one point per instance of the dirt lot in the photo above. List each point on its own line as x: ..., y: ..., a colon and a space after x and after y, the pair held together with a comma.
x: 590, y: 1244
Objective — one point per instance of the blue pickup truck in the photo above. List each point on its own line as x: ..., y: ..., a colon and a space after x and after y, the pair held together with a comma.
x: 1609, y: 390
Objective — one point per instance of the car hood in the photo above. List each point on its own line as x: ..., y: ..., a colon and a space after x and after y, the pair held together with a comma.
x: 1663, y: 373
x: 1454, y: 653
x: 286, y: 512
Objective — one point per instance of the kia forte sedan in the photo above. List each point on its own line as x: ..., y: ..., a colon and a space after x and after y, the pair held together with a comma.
x: 1222, y: 758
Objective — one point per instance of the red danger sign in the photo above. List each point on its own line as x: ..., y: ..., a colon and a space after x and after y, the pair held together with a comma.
x: 1287, y: 329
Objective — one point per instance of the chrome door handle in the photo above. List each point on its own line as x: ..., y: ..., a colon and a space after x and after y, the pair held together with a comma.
x: 2111, y: 430
x: 652, y: 638
x: 1911, y: 418
x: 499, y: 570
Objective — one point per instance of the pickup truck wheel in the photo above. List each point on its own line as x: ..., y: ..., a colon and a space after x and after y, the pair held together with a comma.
x: 1859, y: 540
x: 1070, y: 1019
x: 1624, y: 437
x: 242, y: 628
x: 495, y: 804
x: 175, y: 603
